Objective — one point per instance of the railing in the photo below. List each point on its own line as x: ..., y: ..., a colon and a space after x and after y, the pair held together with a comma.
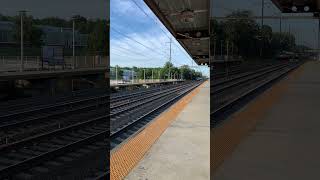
x: 36, y: 63
x: 142, y: 81
x: 226, y: 58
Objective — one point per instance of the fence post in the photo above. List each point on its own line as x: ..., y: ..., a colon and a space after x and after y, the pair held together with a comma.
x: 76, y: 62
x: 38, y: 62
x: 85, y: 60
x: 21, y: 65
x: 94, y: 61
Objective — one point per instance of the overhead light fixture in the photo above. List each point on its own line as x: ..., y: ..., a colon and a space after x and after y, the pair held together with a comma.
x: 198, y: 34
x: 294, y: 8
x: 306, y: 8
x: 187, y: 16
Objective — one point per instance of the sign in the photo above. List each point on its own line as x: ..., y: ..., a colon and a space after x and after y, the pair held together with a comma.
x: 53, y: 55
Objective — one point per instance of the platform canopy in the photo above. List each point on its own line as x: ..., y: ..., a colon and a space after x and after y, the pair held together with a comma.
x: 298, y: 6
x: 188, y: 22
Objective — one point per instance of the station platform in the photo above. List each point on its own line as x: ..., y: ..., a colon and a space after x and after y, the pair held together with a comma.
x: 141, y: 83
x: 276, y: 136
x: 175, y: 146
x: 183, y: 150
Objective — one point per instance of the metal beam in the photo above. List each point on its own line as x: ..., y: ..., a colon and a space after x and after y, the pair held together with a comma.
x: 154, y: 7
x: 287, y: 6
x: 277, y: 4
x: 265, y: 17
x: 199, y: 33
x: 195, y: 34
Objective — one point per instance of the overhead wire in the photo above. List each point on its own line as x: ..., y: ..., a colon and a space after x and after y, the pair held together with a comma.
x: 137, y: 59
x: 153, y: 20
x: 130, y: 50
x: 132, y: 39
x: 147, y: 47
x: 126, y: 50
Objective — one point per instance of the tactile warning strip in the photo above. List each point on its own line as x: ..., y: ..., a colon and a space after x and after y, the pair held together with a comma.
x: 125, y: 158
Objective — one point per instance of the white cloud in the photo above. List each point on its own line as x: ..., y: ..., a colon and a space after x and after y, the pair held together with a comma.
x: 128, y: 8
x: 127, y: 52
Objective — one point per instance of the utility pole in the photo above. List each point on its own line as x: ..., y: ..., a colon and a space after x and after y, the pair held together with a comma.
x: 159, y: 75
x: 232, y: 49
x: 280, y: 30
x: 144, y: 75
x: 289, y: 28
x: 262, y: 12
x: 214, y: 49
x: 280, y: 23
x: 319, y: 39
x: 262, y: 23
x: 221, y: 48
x: 227, y: 49
x: 73, y: 43
x: 170, y: 48
x: 152, y: 74
x: 21, y: 39
x: 170, y: 57
x: 132, y: 76
x: 116, y: 74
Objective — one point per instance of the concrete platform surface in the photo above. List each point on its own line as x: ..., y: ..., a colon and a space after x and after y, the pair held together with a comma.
x: 183, y: 150
x: 285, y: 144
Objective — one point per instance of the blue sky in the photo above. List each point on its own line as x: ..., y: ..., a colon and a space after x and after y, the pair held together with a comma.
x: 138, y: 38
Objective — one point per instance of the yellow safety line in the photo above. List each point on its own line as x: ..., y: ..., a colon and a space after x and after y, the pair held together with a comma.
x: 225, y: 138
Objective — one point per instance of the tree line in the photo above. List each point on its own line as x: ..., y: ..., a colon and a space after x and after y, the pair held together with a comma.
x: 243, y: 36
x: 96, y: 29
x: 184, y: 72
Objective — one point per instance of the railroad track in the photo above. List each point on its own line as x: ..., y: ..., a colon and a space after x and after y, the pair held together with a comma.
x: 132, y: 120
x: 232, y: 94
x: 25, y: 103
x: 238, y: 69
x: 18, y: 125
x: 41, y: 142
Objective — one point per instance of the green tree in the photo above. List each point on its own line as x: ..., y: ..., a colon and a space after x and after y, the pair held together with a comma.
x: 98, y: 42
x: 119, y: 71
x: 168, y: 66
x: 54, y: 21
x: 81, y: 24
x: 282, y: 42
x: 243, y: 31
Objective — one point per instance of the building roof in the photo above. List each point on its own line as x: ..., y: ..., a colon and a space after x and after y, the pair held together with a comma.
x: 6, y: 25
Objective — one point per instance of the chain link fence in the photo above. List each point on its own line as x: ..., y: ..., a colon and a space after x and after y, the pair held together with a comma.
x: 131, y: 75
x: 36, y: 63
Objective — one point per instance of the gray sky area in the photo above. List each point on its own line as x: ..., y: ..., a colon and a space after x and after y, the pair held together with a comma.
x: 305, y: 31
x: 57, y: 8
